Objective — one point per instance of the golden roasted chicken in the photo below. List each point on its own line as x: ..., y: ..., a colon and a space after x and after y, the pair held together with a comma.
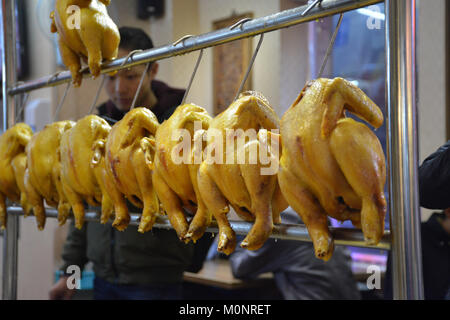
x: 85, y: 31
x: 126, y: 157
x: 43, y: 174
x: 333, y: 165
x: 78, y: 177
x: 175, y: 169
x: 12, y: 167
x: 225, y: 179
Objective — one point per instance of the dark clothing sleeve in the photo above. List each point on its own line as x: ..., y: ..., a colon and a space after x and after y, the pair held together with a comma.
x: 250, y: 264
x: 74, y: 251
x: 434, y: 179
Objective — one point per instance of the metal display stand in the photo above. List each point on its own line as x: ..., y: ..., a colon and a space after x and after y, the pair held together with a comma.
x: 402, y: 154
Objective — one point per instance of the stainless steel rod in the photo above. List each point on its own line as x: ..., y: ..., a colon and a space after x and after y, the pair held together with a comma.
x: 254, y: 27
x: 402, y: 148
x: 342, y: 236
x: 10, y: 238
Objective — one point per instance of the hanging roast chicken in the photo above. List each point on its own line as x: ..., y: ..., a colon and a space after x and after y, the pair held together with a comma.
x: 12, y: 168
x: 175, y: 173
x: 126, y: 158
x: 43, y: 174
x: 85, y: 31
x: 243, y: 185
x: 78, y: 177
x: 333, y: 165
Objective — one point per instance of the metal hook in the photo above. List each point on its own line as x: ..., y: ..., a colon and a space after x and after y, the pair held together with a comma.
x: 58, y: 109
x: 140, y: 86
x: 312, y: 5
x: 130, y: 56
x: 240, y: 23
x: 193, y: 75
x: 250, y: 66
x: 22, y: 106
x: 330, y: 46
x: 97, y: 94
x: 53, y: 76
x: 182, y: 39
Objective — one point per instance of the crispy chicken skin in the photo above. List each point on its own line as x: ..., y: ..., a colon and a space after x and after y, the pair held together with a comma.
x: 12, y: 167
x: 331, y: 165
x: 254, y: 196
x: 175, y: 182
x: 126, y: 158
x: 96, y: 39
x: 78, y: 177
x: 43, y: 174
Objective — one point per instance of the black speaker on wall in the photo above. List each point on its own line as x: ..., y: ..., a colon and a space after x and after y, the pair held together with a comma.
x: 149, y: 8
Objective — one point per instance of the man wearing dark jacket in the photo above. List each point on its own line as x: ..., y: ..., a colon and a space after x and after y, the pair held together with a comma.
x: 434, y: 193
x: 130, y: 265
x: 434, y: 179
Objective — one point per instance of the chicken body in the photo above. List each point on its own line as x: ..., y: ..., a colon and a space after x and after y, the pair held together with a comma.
x: 12, y: 166
x: 95, y: 39
x: 43, y: 174
x: 226, y: 179
x: 128, y: 174
x: 332, y: 165
x: 77, y: 175
x: 175, y: 177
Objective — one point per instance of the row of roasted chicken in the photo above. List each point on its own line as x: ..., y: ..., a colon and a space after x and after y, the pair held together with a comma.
x: 328, y: 165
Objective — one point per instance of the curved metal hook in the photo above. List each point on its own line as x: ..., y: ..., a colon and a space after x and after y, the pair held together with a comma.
x: 130, y: 56
x: 58, y: 109
x: 140, y: 85
x: 312, y: 5
x: 97, y: 94
x: 192, y: 77
x: 182, y: 39
x: 330, y: 46
x: 250, y: 66
x: 240, y: 23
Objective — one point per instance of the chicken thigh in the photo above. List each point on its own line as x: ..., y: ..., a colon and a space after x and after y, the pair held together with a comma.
x: 77, y: 176
x: 85, y: 31
x: 128, y: 174
x: 12, y: 165
x: 331, y: 165
x: 43, y: 174
x: 175, y: 176
x: 234, y: 173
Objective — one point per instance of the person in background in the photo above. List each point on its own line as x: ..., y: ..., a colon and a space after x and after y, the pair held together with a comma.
x: 435, y: 236
x: 298, y: 274
x: 127, y: 264
x: 434, y: 179
x: 434, y: 193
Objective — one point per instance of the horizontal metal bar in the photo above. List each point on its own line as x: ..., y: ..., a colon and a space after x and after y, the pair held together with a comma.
x: 298, y: 232
x: 250, y: 28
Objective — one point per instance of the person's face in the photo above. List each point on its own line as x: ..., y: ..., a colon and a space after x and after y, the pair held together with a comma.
x: 122, y: 86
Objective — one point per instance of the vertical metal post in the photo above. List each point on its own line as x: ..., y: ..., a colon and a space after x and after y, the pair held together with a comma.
x: 10, y: 238
x: 402, y: 148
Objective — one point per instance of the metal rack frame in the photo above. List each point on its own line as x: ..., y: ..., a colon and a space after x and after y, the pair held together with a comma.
x: 404, y: 238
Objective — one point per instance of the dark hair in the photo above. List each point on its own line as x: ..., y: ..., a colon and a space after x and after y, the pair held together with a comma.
x: 134, y: 39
